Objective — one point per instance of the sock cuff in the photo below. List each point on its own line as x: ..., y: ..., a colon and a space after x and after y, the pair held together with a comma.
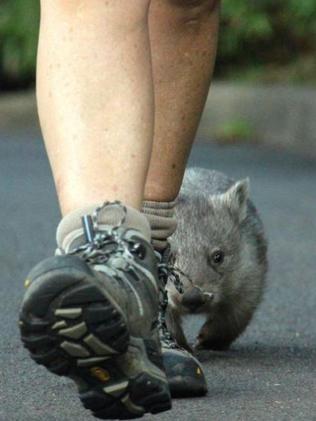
x: 70, y: 227
x: 161, y: 217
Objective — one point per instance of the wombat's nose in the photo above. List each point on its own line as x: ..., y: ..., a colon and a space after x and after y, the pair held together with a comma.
x: 193, y: 299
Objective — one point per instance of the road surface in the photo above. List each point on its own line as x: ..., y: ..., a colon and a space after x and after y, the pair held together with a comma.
x: 270, y: 372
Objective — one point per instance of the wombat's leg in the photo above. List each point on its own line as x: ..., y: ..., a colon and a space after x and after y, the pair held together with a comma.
x: 175, y: 328
x: 216, y: 335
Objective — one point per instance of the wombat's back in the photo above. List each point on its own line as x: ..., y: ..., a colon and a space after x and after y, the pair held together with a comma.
x: 206, y: 182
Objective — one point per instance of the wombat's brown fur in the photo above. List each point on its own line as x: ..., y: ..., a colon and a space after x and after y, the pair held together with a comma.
x: 220, y: 245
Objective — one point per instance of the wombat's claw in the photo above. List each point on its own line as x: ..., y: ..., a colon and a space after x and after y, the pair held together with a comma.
x: 209, y: 344
x: 199, y: 347
x: 209, y: 295
x: 198, y: 344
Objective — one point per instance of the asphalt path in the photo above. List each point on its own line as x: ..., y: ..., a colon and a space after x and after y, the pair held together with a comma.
x: 269, y: 373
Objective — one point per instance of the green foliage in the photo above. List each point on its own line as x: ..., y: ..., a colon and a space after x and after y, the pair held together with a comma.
x: 257, y: 37
x: 241, y: 23
x: 232, y: 131
x: 18, y: 39
x: 266, y: 31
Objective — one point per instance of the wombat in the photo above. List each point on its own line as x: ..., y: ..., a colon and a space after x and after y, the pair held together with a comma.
x: 220, y: 245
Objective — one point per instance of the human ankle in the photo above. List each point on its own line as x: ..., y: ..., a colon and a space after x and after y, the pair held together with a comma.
x: 70, y: 229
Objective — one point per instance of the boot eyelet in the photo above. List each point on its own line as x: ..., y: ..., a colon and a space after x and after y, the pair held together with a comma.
x: 138, y: 250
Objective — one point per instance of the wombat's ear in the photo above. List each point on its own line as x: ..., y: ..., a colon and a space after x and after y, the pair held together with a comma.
x: 236, y: 197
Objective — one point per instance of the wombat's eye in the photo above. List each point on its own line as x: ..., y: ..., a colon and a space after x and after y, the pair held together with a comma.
x: 217, y: 257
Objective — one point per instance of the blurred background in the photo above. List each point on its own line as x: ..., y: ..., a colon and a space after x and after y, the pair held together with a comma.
x: 261, y: 40
x: 265, y: 77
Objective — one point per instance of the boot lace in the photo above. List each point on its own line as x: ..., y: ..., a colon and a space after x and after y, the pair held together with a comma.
x: 100, y: 244
x: 168, y: 273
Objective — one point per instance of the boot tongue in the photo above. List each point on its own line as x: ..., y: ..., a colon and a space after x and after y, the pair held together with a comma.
x: 71, y: 233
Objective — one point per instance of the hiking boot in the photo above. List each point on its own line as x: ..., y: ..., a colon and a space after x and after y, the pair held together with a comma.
x: 184, y: 372
x: 91, y: 314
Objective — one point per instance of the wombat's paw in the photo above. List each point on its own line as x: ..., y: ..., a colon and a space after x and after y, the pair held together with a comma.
x: 211, y: 344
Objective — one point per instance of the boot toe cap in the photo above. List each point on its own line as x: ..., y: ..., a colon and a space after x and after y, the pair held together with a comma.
x: 185, y: 374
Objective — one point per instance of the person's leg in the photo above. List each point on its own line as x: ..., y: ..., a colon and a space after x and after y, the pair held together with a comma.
x: 183, y: 42
x: 95, y: 98
x: 91, y: 312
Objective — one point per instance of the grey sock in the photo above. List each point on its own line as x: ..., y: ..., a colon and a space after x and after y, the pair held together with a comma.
x: 161, y: 217
x: 70, y: 229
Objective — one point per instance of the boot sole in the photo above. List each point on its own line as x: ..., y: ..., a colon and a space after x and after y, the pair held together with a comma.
x: 76, y: 329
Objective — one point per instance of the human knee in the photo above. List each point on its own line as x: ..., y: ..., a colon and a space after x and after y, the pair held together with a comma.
x: 82, y: 7
x: 193, y: 3
x: 195, y: 9
x: 93, y: 3
x: 116, y: 17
